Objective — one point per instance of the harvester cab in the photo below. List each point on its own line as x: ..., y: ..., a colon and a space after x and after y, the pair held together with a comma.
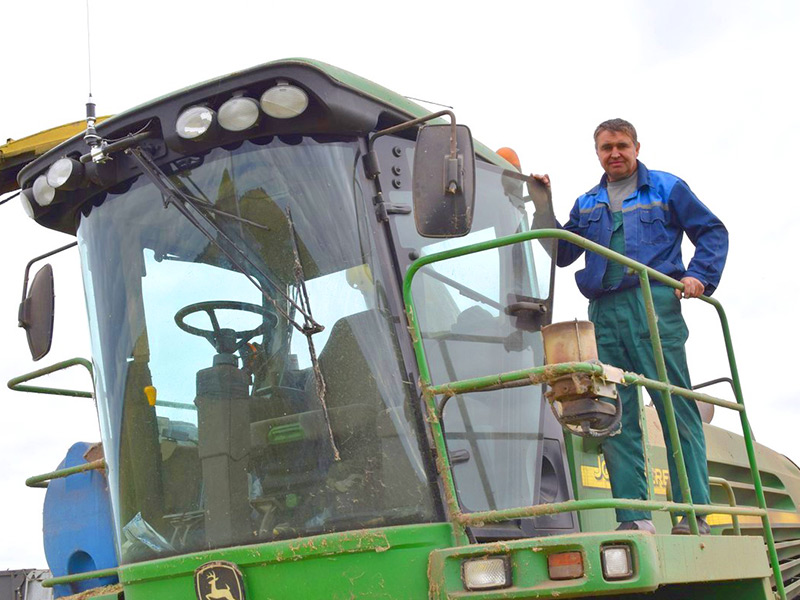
x: 317, y: 316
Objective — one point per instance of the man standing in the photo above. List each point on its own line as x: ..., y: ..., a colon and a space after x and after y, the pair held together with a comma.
x: 643, y: 214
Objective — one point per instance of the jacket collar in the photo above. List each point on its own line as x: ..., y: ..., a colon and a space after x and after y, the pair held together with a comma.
x: 642, y: 179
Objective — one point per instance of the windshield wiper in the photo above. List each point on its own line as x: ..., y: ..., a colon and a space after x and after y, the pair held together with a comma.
x: 176, y: 197
x: 310, y: 327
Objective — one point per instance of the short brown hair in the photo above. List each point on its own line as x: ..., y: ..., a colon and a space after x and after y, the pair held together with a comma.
x: 618, y: 125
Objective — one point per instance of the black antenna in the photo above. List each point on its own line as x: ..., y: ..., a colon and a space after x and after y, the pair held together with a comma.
x: 91, y: 137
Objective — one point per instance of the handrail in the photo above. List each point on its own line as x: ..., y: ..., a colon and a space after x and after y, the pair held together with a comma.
x: 459, y: 520
x: 38, y: 481
x: 15, y: 383
x: 67, y: 579
x: 723, y: 483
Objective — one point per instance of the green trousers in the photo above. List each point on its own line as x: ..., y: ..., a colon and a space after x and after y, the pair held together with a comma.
x: 623, y: 340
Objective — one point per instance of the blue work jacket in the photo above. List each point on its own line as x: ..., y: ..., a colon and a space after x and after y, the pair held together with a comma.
x: 655, y: 218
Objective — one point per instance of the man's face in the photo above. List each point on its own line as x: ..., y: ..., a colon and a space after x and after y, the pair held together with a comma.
x: 617, y: 154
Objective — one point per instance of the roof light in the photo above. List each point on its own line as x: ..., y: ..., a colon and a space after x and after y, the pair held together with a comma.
x: 238, y: 114
x: 65, y: 173
x: 284, y: 101
x: 194, y: 122
x: 565, y: 565
x: 25, y: 200
x: 43, y: 192
x: 617, y: 563
x: 486, y: 573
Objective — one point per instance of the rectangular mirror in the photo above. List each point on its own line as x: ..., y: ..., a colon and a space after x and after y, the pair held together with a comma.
x: 443, y: 187
x: 36, y: 312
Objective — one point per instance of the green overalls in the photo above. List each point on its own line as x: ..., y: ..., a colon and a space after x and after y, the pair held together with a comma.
x: 623, y: 340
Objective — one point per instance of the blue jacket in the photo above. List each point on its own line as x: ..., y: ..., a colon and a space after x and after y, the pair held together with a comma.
x: 654, y: 219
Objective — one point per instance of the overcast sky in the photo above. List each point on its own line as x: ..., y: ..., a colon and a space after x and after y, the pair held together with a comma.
x: 710, y: 85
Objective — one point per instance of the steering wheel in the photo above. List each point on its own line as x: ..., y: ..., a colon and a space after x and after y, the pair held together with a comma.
x: 225, y: 340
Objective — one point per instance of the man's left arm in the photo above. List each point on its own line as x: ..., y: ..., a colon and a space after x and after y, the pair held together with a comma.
x: 709, y: 236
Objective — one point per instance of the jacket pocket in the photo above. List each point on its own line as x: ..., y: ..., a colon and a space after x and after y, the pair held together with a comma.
x: 654, y: 223
x: 590, y: 223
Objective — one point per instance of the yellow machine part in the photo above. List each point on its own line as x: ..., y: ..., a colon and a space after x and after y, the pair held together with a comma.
x: 15, y: 154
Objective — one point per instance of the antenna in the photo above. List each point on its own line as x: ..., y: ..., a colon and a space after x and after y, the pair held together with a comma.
x: 420, y: 99
x: 91, y: 138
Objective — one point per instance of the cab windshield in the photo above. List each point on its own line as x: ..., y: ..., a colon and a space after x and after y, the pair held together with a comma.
x: 216, y: 430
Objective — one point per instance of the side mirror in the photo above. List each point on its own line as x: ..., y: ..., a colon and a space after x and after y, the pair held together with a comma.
x: 444, y: 185
x: 36, y: 312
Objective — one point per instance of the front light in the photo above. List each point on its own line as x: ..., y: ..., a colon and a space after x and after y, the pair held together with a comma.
x: 486, y: 573
x: 284, y: 101
x: 65, y: 173
x: 43, y: 192
x: 617, y: 563
x: 238, y: 114
x: 194, y: 122
x: 25, y: 200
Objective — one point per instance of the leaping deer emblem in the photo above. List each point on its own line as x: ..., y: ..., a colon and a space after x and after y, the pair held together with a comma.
x: 217, y: 593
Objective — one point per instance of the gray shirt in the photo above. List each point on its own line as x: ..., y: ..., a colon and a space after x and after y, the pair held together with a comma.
x: 619, y: 190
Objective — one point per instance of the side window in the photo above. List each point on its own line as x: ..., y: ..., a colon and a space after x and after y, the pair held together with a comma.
x: 469, y: 328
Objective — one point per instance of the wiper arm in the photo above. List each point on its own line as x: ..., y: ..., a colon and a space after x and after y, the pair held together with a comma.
x: 177, y: 198
x: 462, y: 289
x: 310, y: 327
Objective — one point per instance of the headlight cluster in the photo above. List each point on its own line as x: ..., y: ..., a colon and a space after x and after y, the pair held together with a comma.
x: 494, y: 572
x: 64, y: 174
x: 283, y: 101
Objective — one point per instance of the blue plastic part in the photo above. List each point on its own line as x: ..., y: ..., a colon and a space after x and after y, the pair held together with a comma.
x: 78, y: 531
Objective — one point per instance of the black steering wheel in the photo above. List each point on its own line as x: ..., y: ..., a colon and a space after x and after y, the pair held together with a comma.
x: 225, y: 340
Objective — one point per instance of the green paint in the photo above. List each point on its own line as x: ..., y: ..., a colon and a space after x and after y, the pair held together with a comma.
x: 376, y: 563
x: 16, y: 383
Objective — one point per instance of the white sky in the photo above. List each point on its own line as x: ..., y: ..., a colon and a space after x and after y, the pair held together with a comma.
x: 710, y: 85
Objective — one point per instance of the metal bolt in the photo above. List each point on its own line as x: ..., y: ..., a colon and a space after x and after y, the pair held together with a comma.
x: 397, y: 151
x: 397, y: 184
x: 396, y: 170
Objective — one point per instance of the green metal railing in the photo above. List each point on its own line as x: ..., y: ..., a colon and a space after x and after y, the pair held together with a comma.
x: 538, y: 375
x: 16, y: 383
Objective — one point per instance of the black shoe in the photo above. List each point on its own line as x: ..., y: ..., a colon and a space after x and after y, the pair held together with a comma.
x: 645, y: 525
x: 682, y: 528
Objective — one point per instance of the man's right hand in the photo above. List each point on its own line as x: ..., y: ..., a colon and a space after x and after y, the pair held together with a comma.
x: 542, y: 196
x: 544, y: 179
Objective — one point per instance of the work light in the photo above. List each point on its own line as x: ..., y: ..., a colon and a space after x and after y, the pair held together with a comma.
x: 238, y: 114
x: 617, y: 563
x: 65, y: 173
x: 194, y: 122
x: 486, y: 573
x: 25, y: 200
x: 43, y: 192
x: 284, y: 101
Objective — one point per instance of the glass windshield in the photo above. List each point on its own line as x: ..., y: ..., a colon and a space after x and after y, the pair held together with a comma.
x: 481, y: 314
x: 215, y: 426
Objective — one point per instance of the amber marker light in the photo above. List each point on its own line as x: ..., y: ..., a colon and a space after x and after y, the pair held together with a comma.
x: 511, y: 156
x: 565, y: 565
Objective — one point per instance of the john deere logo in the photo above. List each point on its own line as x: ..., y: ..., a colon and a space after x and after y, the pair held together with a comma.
x: 219, y: 580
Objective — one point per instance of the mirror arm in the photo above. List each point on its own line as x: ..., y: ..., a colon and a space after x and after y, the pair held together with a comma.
x: 28, y: 272
x: 419, y: 121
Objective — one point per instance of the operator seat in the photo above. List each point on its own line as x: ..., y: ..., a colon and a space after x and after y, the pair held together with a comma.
x: 367, y: 402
